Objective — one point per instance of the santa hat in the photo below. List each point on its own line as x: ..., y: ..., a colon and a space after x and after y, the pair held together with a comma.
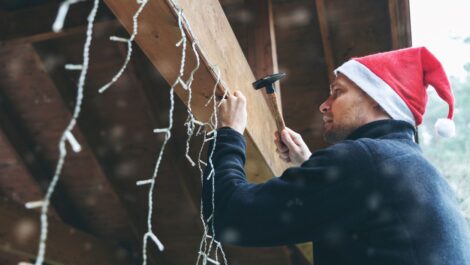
x: 397, y: 81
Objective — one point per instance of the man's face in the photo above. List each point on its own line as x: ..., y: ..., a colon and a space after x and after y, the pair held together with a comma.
x: 346, y: 109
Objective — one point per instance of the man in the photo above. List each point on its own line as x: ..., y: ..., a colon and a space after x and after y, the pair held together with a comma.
x: 371, y: 197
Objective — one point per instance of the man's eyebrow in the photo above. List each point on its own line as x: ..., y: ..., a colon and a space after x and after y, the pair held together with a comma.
x: 333, y: 85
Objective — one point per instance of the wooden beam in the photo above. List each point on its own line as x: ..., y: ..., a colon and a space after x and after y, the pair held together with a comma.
x: 19, y: 231
x: 25, y: 176
x: 34, y: 24
x: 262, y: 53
x: 400, y: 25
x: 261, y: 44
x: 119, y: 129
x: 44, y: 116
x: 16, y: 183
x: 218, y: 45
x: 325, y: 38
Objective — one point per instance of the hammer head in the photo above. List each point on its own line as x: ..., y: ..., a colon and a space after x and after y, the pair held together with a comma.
x: 268, y: 82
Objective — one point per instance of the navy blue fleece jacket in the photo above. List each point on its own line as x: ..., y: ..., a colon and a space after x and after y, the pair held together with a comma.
x: 370, y: 199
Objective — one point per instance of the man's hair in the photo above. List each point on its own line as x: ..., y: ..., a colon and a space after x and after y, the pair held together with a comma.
x: 379, y: 108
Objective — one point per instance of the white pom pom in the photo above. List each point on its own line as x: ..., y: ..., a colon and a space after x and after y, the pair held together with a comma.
x: 445, y: 127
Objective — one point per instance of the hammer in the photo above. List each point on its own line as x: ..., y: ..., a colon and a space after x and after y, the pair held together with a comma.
x: 267, y: 82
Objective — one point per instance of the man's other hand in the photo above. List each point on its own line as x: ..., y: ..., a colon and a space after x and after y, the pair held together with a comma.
x: 291, y: 147
x: 232, y: 112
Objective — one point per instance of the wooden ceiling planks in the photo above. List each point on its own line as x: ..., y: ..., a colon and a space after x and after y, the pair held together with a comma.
x: 41, y: 110
x: 358, y: 28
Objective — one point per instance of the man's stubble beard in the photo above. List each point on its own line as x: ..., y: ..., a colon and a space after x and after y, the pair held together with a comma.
x: 336, y: 134
x: 340, y: 132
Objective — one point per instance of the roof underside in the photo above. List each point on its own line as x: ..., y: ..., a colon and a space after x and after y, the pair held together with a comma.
x: 97, y: 192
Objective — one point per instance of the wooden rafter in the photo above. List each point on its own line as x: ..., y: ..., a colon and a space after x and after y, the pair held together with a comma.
x: 43, y: 114
x: 16, y: 183
x: 118, y: 127
x: 19, y: 230
x: 34, y: 24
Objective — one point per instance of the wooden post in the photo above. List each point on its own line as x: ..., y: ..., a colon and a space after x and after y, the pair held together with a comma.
x: 261, y: 44
x: 325, y: 37
x: 400, y: 25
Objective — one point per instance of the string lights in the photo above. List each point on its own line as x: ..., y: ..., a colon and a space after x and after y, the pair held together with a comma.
x: 193, y: 126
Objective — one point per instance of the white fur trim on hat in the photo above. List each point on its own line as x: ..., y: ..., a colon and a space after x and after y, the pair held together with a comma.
x: 445, y: 127
x: 377, y: 89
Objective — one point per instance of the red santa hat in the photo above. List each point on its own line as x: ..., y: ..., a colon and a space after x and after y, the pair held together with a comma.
x: 397, y: 81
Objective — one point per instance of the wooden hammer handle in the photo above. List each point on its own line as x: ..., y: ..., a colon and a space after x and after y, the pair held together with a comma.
x: 276, y: 112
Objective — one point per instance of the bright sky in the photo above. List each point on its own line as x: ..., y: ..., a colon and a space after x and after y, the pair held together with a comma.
x: 442, y: 27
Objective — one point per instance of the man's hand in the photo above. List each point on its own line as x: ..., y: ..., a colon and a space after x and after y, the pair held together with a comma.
x: 232, y: 112
x: 291, y: 147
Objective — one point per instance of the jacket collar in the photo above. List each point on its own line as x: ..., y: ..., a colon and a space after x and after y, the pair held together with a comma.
x: 384, y: 129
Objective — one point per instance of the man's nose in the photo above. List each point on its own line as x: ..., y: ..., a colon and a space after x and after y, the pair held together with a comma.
x: 325, y: 106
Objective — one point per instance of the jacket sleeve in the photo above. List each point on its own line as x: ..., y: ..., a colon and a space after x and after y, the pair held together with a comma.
x: 306, y: 203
